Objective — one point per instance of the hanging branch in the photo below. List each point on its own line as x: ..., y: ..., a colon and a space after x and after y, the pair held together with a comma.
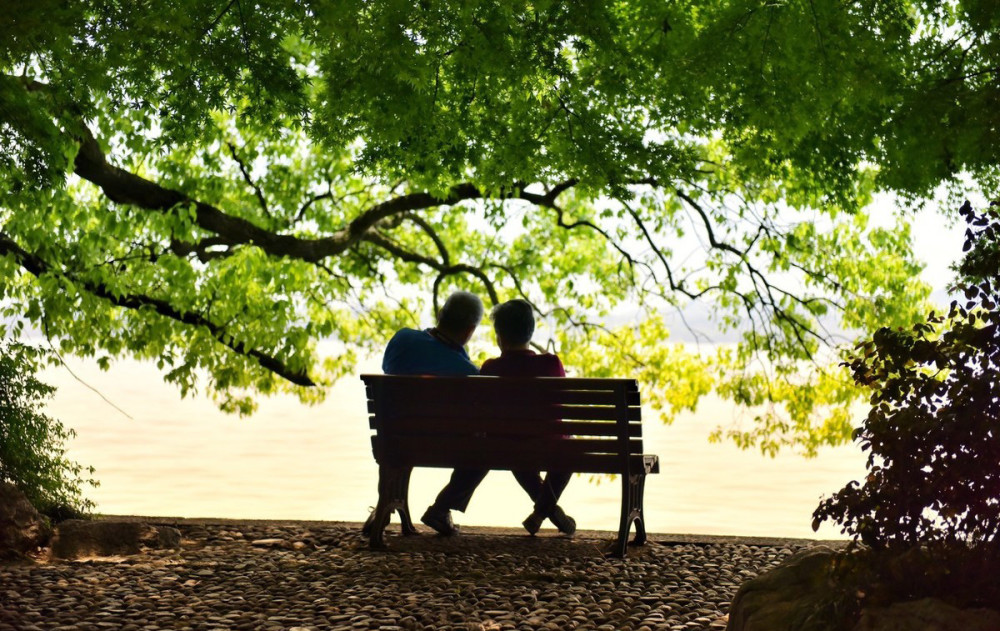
x: 38, y: 267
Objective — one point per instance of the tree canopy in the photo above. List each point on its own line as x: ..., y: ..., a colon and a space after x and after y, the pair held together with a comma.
x: 219, y: 186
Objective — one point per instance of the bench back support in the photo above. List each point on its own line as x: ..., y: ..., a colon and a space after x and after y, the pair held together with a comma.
x: 542, y: 423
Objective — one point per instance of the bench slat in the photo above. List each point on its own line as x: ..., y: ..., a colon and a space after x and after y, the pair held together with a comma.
x: 404, y: 383
x: 586, y: 463
x: 522, y: 427
x: 539, y: 397
x: 490, y: 412
x: 502, y: 445
x: 496, y: 396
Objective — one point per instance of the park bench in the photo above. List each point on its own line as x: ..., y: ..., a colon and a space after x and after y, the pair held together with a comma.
x: 541, y: 423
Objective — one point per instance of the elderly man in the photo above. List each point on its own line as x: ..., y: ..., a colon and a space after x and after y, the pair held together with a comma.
x: 441, y: 351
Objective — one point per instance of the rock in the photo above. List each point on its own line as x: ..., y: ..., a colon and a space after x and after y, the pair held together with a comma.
x: 270, y: 543
x: 75, y: 538
x: 22, y: 528
x: 790, y: 597
x: 928, y: 614
x: 800, y: 595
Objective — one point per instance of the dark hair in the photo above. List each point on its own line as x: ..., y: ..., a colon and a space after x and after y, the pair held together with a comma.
x: 514, y: 321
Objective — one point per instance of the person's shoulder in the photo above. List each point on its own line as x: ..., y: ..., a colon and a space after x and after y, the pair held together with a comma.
x: 407, y: 335
x: 489, y: 366
x: 408, y: 332
x: 552, y: 364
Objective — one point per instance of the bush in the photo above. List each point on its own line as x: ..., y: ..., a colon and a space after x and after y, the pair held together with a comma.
x: 934, y: 427
x: 32, y: 451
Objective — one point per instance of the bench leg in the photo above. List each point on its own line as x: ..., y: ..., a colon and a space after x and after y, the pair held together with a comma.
x: 633, y: 487
x: 406, y: 524
x: 393, y: 491
x: 639, y: 488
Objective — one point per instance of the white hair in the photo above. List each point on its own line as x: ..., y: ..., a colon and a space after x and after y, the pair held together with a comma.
x: 462, y: 310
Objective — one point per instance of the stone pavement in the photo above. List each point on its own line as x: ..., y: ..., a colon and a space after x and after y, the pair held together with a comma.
x: 321, y: 575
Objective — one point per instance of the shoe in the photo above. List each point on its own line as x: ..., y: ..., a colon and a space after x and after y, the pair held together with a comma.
x: 440, y: 520
x: 533, y: 523
x: 366, y: 529
x: 565, y: 523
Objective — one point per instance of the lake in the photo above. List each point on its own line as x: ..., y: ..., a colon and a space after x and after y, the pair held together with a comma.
x: 184, y: 458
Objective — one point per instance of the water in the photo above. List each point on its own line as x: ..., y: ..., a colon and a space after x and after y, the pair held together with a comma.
x: 184, y: 458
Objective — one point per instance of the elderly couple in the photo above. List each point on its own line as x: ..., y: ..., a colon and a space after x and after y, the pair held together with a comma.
x: 441, y: 351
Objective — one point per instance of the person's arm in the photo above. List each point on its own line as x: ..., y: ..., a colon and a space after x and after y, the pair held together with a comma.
x: 390, y: 359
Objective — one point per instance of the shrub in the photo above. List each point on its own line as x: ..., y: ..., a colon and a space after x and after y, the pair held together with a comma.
x: 933, y: 431
x: 32, y: 445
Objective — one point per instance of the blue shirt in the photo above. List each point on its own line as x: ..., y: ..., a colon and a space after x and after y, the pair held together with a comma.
x: 412, y: 352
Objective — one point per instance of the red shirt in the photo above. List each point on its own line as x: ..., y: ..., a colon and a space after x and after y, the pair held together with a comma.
x: 523, y: 363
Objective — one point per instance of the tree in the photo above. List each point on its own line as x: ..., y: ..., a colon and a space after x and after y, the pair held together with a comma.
x: 932, y: 432
x: 928, y: 510
x: 216, y: 188
x: 32, y: 444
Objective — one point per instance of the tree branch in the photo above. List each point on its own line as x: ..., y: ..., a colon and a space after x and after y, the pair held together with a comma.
x: 124, y: 187
x: 674, y: 286
x: 435, y: 237
x: 38, y: 267
x: 246, y: 177
x: 444, y: 269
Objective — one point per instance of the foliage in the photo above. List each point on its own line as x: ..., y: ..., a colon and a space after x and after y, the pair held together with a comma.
x: 216, y: 187
x: 964, y: 578
x: 934, y: 428
x: 863, y: 578
x: 32, y: 444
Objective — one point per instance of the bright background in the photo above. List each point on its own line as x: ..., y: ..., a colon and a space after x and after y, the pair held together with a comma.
x: 184, y: 458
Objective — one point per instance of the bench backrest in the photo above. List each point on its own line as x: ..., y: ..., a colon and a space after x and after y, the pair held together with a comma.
x: 542, y: 423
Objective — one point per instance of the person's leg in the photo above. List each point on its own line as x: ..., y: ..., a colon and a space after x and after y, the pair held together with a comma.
x: 531, y: 482
x: 545, y: 495
x: 455, y: 495
x: 556, y: 481
x: 551, y: 490
x: 548, y: 502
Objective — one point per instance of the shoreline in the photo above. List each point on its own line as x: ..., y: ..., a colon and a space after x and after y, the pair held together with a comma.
x: 393, y: 528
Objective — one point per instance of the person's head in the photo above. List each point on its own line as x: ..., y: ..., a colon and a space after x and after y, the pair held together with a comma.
x: 461, y: 314
x: 514, y: 323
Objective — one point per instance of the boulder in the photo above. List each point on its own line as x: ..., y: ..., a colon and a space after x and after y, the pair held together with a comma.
x: 77, y: 538
x: 802, y: 595
x: 928, y: 614
x: 22, y: 528
x: 795, y: 596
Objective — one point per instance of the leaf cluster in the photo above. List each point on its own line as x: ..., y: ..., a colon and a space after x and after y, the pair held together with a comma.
x: 933, y: 432
x: 32, y: 444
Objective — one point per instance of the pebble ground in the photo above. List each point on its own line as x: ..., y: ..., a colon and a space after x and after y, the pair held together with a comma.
x: 311, y: 576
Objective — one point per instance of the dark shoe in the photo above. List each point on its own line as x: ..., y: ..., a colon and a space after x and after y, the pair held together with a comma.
x: 533, y: 523
x: 366, y: 529
x: 440, y: 520
x: 565, y: 523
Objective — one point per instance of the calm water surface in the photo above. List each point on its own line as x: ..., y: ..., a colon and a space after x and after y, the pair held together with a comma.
x: 289, y: 461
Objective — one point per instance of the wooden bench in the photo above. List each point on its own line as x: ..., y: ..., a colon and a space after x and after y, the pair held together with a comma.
x: 542, y: 424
